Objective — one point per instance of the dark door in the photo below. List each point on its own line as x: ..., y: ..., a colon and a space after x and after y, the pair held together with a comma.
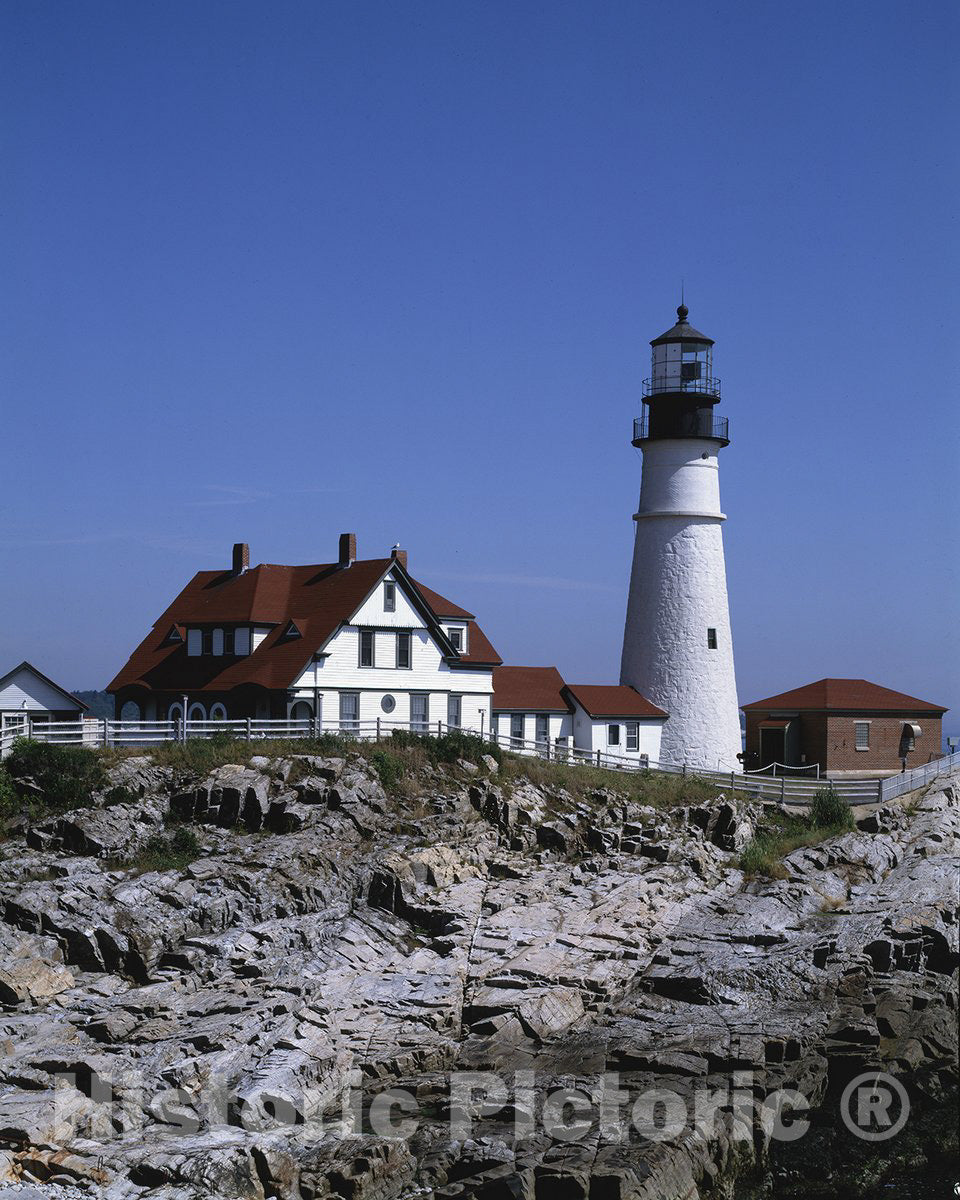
x: 772, y: 746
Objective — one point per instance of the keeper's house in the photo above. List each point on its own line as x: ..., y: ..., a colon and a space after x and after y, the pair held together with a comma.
x: 848, y: 726
x: 534, y: 709
x: 345, y: 642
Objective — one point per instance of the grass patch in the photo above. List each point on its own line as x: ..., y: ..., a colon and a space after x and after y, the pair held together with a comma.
x: 162, y: 853
x: 781, y: 833
x: 645, y: 787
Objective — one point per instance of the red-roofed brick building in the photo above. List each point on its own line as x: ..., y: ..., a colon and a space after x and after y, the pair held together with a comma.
x: 848, y: 726
x: 344, y: 643
x: 533, y: 708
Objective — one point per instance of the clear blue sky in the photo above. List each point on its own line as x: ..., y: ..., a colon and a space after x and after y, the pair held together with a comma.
x: 274, y: 271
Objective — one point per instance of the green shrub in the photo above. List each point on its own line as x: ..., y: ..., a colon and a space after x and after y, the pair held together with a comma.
x: 389, y: 767
x: 449, y: 748
x: 9, y: 800
x: 53, y: 778
x: 830, y: 811
x: 118, y: 795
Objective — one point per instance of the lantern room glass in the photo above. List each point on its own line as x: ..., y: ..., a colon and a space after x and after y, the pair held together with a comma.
x: 682, y: 367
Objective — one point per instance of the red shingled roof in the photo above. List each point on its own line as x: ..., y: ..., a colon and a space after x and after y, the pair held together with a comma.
x: 613, y: 701
x: 853, y: 695
x: 532, y: 688
x: 318, y: 598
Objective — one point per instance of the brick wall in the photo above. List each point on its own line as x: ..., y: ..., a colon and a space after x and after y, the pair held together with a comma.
x: 885, y: 732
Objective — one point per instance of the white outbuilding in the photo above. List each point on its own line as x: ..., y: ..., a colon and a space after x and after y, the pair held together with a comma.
x: 534, y: 711
x: 26, y: 692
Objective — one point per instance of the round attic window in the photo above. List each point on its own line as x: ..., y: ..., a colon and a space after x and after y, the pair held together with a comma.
x: 388, y: 704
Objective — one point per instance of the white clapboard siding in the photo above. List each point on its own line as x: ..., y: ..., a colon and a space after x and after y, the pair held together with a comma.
x: 428, y: 671
x: 372, y: 612
x: 561, y: 725
x: 591, y: 734
x: 25, y: 691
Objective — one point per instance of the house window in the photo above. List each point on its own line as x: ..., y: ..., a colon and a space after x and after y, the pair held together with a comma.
x: 218, y: 642
x: 350, y: 712
x: 711, y: 639
x: 366, y: 647
x: 241, y: 642
x: 456, y: 639
x: 454, y: 708
x: 403, y: 650
x: 208, y: 641
x: 228, y: 641
x: 218, y: 712
x: 543, y: 729
x: 613, y: 735
x: 419, y: 712
x: 175, y: 712
x: 516, y: 729
x: 633, y: 735
x: 197, y: 712
x: 861, y: 731
x: 389, y: 596
x: 194, y: 642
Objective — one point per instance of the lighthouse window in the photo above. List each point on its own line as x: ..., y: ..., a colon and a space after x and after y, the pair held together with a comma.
x: 711, y: 639
x: 633, y: 735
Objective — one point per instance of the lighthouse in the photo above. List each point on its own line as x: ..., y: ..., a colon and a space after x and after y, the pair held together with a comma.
x: 677, y: 645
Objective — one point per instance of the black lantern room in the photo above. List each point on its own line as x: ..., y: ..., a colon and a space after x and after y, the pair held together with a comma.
x: 679, y: 398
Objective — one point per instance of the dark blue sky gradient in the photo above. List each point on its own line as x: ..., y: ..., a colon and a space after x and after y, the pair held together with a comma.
x: 274, y: 271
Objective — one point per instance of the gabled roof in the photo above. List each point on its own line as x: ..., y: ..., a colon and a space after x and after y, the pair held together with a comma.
x: 613, y: 700
x: 847, y: 695
x: 318, y: 598
x: 538, y: 689
x: 72, y: 701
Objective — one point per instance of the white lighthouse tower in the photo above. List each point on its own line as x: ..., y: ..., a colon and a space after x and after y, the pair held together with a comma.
x: 677, y: 647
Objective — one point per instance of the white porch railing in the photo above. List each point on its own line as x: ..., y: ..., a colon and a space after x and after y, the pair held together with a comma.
x: 786, y: 790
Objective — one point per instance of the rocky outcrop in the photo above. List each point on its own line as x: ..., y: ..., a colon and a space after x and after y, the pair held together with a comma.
x: 239, y: 1026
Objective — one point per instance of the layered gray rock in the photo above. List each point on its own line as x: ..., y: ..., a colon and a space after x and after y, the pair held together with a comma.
x: 227, y: 1028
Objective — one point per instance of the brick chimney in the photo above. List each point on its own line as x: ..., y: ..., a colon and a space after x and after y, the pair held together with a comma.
x: 348, y: 549
x: 241, y: 558
x: 399, y: 555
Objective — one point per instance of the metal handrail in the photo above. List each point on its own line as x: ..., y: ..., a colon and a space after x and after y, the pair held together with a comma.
x: 697, y: 425
x: 706, y: 385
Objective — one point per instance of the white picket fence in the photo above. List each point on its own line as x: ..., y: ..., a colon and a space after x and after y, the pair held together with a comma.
x: 785, y: 789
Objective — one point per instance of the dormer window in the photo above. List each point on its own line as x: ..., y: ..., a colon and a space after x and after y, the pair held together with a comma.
x: 194, y: 642
x: 173, y: 636
x: 291, y: 631
x: 241, y: 641
x: 217, y: 643
x: 389, y: 596
x: 458, y: 638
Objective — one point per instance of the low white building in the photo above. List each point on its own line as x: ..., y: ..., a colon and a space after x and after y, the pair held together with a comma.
x: 26, y: 693
x: 536, y: 712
